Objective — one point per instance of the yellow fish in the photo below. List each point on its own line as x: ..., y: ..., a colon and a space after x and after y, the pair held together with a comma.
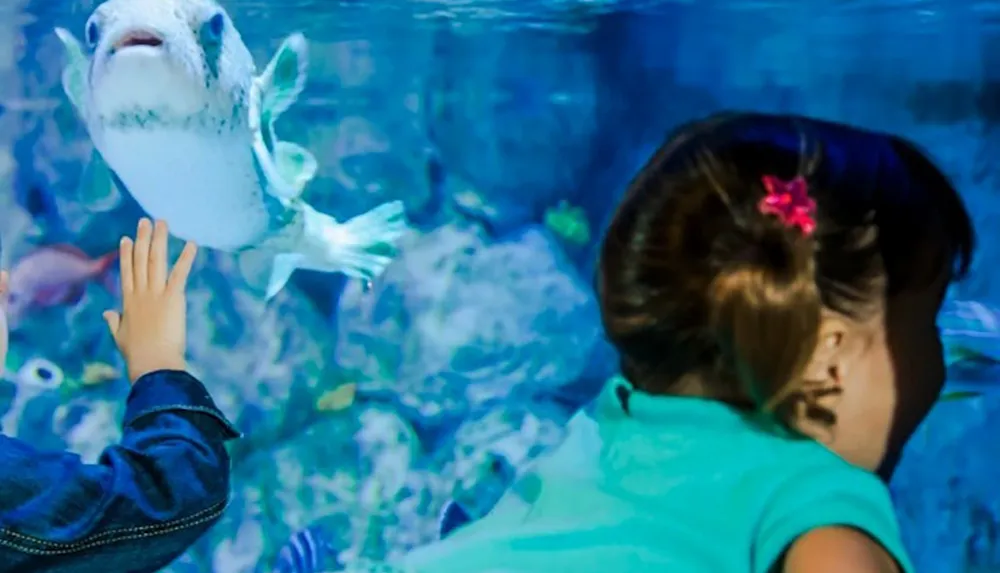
x: 958, y: 395
x: 568, y: 222
x: 340, y: 398
x: 98, y: 373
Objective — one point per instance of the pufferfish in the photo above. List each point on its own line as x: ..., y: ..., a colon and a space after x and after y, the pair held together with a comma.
x: 181, y: 120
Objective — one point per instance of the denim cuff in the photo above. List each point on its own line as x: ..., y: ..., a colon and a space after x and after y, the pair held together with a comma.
x: 173, y: 390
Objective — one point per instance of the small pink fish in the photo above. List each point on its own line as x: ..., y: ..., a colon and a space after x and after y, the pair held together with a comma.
x: 50, y: 276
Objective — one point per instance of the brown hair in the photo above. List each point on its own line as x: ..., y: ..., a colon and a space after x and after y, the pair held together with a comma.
x: 694, y: 279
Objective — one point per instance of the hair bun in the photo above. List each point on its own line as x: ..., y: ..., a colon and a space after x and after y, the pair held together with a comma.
x: 765, y: 311
x: 777, y: 252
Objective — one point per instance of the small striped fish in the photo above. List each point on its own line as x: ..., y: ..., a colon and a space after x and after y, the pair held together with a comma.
x: 307, y: 551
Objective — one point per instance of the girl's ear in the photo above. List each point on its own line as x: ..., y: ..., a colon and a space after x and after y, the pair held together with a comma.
x: 828, y: 359
x: 822, y: 380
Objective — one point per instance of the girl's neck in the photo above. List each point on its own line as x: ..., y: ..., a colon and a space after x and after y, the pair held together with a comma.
x: 698, y: 386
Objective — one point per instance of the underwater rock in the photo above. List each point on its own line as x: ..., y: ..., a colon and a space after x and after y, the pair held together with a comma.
x: 395, y: 507
x: 315, y: 480
x: 311, y: 477
x: 488, y: 452
x: 187, y: 563
x: 17, y: 228
x: 387, y: 524
x: 359, y: 168
x: 517, y: 433
x: 414, y: 522
x: 73, y: 333
x: 264, y: 363
x: 945, y: 489
x: 237, y: 542
x: 87, y: 425
x: 55, y: 408
x: 387, y: 446
x: 458, y: 321
x: 386, y: 528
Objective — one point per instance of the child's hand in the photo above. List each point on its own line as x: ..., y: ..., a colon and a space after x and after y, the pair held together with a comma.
x: 150, y: 331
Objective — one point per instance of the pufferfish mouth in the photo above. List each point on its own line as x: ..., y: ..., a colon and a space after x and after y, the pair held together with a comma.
x: 138, y: 38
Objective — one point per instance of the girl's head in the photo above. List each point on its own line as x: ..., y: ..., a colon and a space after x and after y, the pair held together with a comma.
x: 834, y: 330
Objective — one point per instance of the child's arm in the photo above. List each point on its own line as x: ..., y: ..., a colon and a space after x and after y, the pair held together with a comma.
x: 830, y: 518
x: 149, y: 498
x: 838, y: 550
x: 142, y: 505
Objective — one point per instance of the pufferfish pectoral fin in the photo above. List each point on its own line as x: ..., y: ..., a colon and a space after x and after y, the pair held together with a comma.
x: 284, y: 78
x: 267, y: 272
x: 99, y: 190
x: 284, y: 171
x: 283, y: 168
x: 74, y: 76
x: 295, y: 165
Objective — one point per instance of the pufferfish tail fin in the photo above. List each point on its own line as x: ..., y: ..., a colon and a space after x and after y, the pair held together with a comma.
x: 361, y: 248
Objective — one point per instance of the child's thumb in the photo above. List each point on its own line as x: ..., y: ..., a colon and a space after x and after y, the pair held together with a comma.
x: 113, y: 319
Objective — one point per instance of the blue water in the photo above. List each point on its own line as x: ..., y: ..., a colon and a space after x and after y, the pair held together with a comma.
x: 493, y: 121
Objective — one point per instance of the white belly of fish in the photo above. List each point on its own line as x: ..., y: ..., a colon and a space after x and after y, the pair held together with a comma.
x: 204, y: 187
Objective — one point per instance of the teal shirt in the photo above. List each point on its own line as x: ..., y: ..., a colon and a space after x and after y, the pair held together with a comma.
x: 675, y: 484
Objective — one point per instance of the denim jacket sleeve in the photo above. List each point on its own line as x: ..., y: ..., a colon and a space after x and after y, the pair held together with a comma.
x: 139, y: 507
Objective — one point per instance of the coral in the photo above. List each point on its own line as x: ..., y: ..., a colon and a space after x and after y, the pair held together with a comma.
x: 461, y: 319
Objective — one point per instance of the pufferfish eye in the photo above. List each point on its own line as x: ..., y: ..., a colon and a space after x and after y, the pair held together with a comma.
x: 92, y: 32
x: 213, y: 28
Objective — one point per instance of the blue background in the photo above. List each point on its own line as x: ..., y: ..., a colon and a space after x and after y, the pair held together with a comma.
x: 484, y: 336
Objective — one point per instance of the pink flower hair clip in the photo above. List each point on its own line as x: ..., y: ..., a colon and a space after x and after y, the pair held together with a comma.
x: 790, y: 202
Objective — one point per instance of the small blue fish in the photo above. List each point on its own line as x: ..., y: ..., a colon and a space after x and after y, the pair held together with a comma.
x: 497, y: 475
x: 307, y: 551
x: 969, y: 328
x: 970, y: 333
x: 452, y: 517
x: 975, y: 375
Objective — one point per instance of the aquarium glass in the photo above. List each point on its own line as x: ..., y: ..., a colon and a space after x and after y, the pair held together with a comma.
x: 507, y: 131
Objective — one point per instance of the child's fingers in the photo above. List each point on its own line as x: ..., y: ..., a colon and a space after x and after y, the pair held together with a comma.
x: 114, y: 321
x: 140, y: 255
x: 125, y: 260
x: 158, y: 257
x: 4, y: 290
x: 182, y: 268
